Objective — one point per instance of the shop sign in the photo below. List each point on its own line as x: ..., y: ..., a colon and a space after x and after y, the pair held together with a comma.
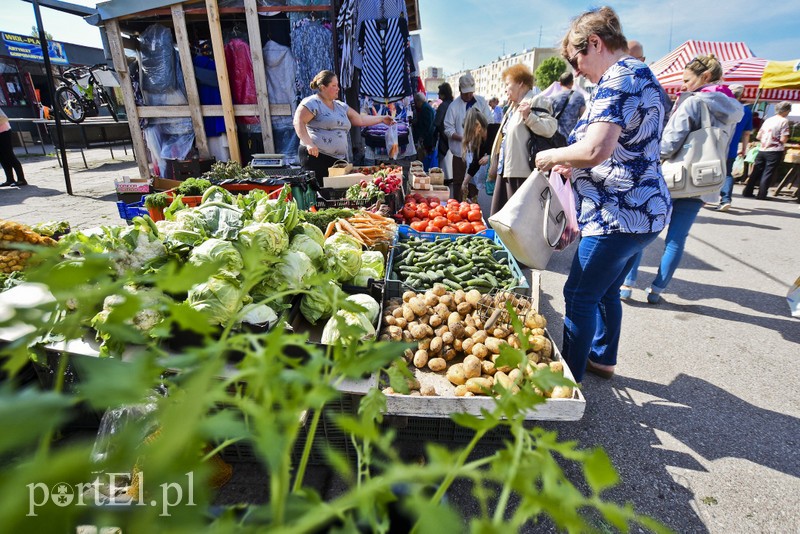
x: 30, y: 48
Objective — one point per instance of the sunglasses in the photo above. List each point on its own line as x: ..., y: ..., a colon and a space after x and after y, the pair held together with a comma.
x: 573, y: 61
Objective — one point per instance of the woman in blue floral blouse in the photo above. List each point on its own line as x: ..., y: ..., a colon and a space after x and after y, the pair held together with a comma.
x: 622, y: 199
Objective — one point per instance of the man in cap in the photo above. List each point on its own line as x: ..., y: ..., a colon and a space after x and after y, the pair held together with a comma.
x: 454, y: 126
x: 738, y: 146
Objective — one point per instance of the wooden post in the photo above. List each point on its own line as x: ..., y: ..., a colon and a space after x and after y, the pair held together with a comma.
x: 222, y: 77
x: 179, y: 21
x: 121, y: 66
x: 259, y: 73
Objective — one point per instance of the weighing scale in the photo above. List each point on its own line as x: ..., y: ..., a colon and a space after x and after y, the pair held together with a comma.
x: 268, y: 161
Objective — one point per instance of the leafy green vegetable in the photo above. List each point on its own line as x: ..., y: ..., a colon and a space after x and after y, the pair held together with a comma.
x: 278, y: 210
x: 373, y: 259
x: 232, y: 170
x: 311, y: 231
x: 219, y: 299
x: 307, y: 245
x: 221, y: 220
x: 361, y: 279
x: 157, y: 200
x: 194, y: 187
x: 373, y: 309
x: 343, y: 254
x: 258, y: 314
x: 269, y: 238
x: 319, y: 302
x: 217, y: 194
x: 347, y: 326
x: 295, y: 270
x: 218, y: 251
x: 322, y: 218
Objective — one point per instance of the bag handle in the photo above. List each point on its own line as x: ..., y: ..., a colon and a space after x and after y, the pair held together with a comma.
x: 705, y: 116
x: 338, y: 161
x: 547, y: 196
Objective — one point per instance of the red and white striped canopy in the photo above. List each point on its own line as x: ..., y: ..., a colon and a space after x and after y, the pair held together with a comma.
x: 739, y: 65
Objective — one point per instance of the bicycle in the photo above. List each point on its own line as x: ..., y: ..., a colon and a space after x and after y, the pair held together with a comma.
x: 75, y: 102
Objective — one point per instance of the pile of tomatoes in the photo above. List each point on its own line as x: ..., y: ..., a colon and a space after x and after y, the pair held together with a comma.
x: 453, y: 217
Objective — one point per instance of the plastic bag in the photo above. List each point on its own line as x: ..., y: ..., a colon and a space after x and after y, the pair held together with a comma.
x: 563, y: 190
x: 793, y: 298
x: 157, y: 59
x: 750, y: 157
x: 737, y: 169
x: 489, y: 186
x: 392, y: 141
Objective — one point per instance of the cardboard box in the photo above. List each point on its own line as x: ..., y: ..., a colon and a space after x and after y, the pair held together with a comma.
x: 164, y: 184
x: 345, y: 180
x: 340, y: 168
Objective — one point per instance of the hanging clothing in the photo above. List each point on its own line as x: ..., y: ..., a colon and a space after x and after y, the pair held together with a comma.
x: 376, y: 9
x: 387, y: 56
x: 240, y: 72
x: 208, y: 93
x: 281, y: 71
x: 346, y: 26
x: 312, y: 46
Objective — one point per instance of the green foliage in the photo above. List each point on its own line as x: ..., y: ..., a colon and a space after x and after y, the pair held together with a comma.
x: 280, y: 385
x: 549, y: 71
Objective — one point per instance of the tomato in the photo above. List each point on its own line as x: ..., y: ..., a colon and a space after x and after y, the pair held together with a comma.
x: 440, y: 222
x: 409, y: 212
x: 463, y: 211
x: 465, y: 228
x: 441, y: 210
x: 434, y: 201
x: 454, y: 217
x: 452, y: 201
x: 478, y: 227
x: 449, y: 230
x: 422, y: 212
x: 419, y: 226
x: 474, y: 216
x: 475, y: 207
x: 415, y: 219
x: 431, y: 228
x: 409, y: 198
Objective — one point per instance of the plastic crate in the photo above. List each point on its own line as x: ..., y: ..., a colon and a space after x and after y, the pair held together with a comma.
x: 395, y: 288
x: 129, y: 211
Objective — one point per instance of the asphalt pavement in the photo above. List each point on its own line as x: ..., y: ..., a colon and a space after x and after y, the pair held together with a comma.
x: 701, y: 418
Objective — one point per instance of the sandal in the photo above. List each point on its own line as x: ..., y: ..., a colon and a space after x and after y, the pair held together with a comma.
x: 625, y: 292
x: 597, y: 371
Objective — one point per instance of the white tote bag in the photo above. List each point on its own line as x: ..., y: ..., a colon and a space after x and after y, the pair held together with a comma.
x: 532, y: 221
x: 698, y: 167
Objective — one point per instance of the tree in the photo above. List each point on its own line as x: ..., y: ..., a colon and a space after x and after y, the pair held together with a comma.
x: 35, y: 33
x: 549, y: 72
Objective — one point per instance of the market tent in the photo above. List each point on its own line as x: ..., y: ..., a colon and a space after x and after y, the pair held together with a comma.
x: 669, y: 69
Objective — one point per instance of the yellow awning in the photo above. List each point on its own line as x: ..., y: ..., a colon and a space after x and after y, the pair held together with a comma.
x: 781, y: 75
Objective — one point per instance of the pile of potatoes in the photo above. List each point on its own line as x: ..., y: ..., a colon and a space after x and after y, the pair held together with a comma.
x: 448, y: 328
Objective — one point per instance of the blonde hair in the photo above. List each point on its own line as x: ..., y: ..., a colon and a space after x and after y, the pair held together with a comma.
x: 323, y: 77
x: 520, y: 74
x: 472, y: 137
x: 602, y: 22
x: 702, y: 64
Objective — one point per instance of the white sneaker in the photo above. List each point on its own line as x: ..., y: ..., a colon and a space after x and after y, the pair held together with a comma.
x: 724, y: 207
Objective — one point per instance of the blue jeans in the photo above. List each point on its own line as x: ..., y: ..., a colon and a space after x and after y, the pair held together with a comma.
x: 684, y: 212
x: 593, y: 316
x: 726, y: 192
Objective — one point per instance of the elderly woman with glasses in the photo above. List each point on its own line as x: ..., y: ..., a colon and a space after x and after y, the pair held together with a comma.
x: 622, y: 200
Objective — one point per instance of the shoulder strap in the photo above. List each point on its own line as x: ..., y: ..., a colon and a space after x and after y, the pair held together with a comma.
x: 560, y: 111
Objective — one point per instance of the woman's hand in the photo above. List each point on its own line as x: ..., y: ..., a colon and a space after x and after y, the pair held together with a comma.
x: 563, y: 170
x: 465, y: 183
x: 388, y: 120
x: 313, y: 150
x: 484, y: 160
x: 544, y: 159
x: 524, y: 108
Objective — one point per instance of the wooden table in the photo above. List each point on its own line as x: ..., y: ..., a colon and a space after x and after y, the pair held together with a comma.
x: 790, y: 185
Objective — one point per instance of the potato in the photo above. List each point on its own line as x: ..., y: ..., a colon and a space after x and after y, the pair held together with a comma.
x: 467, y: 344
x: 472, y: 367
x: 384, y: 337
x: 458, y: 330
x: 441, y: 310
x: 515, y: 375
x: 418, y: 331
x: 469, y: 394
x: 470, y: 330
x: 436, y: 345
x: 479, y: 386
x: 534, y: 357
x: 480, y: 336
x: 388, y: 391
x: 455, y: 374
x: 395, y: 333
x: 423, y: 319
x: 424, y: 343
x: 469, y: 320
x: 478, y: 323
x: 458, y: 345
x: 439, y: 289
x: 480, y: 351
x: 408, y: 354
x: 536, y: 332
x: 454, y: 318
x: 401, y: 322
x: 398, y: 312
x: 534, y: 320
x: 447, y: 300
x: 501, y: 332
x: 503, y: 379
x: 504, y: 368
x: 547, y: 351
x: 413, y: 383
x: 473, y: 296
x: 408, y: 295
x: 494, y: 344
x: 449, y: 353
x: 420, y: 359
x: 435, y: 320
x: 418, y: 306
x: 415, y: 393
x: 428, y: 330
x: 464, y: 308
x: 427, y: 391
x: 514, y: 341
x: 389, y: 320
x: 408, y: 313
x: 407, y: 337
x: 437, y: 364
x: 542, y: 365
x: 431, y: 299
x: 461, y: 390
x: 537, y: 342
x: 441, y: 330
x: 447, y: 338
x: 557, y: 367
x: 488, y: 368
x: 561, y: 392
x: 459, y: 296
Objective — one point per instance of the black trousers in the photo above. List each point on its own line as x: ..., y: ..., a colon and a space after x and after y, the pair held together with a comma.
x: 764, y: 169
x: 319, y: 164
x: 8, y: 159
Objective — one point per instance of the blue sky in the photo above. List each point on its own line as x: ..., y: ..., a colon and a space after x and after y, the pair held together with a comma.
x: 469, y: 33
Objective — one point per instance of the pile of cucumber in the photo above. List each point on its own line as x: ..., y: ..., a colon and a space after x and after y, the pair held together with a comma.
x: 465, y: 262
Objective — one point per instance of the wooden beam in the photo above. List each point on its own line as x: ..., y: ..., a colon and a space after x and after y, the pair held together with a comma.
x: 239, y: 110
x: 222, y: 78
x: 260, y: 75
x: 227, y: 11
x: 189, y: 81
x: 131, y: 110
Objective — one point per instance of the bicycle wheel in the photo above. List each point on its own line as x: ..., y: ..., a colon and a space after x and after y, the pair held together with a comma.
x: 109, y: 101
x: 70, y: 105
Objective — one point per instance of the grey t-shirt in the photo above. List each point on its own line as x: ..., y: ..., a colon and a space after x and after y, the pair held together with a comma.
x: 328, y: 129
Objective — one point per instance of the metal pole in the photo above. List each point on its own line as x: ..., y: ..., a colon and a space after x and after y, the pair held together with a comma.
x: 51, y: 87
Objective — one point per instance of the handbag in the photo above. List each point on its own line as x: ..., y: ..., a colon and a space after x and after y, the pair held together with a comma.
x: 537, y: 143
x: 563, y: 190
x: 532, y: 221
x: 698, y: 167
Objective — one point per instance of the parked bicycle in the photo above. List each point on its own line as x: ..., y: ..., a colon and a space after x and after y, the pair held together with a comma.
x: 75, y: 102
